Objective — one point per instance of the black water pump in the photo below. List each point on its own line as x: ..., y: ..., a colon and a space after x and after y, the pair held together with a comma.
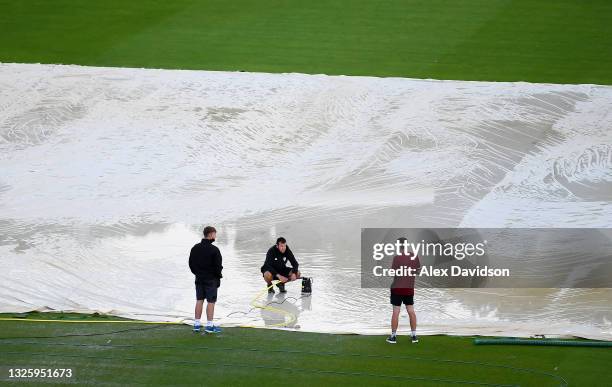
x: 306, y: 285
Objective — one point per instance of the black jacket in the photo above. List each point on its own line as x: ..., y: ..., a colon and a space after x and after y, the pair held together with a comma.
x: 277, y: 262
x: 205, y: 261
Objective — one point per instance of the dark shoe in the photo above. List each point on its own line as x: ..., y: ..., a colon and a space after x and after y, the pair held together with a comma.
x: 271, y: 289
x: 392, y: 339
x: 415, y: 339
x: 281, y: 287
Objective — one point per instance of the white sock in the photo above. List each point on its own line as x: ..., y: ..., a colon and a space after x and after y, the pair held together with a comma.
x: 392, y: 333
x: 413, y: 333
x: 197, y: 322
x: 209, y: 323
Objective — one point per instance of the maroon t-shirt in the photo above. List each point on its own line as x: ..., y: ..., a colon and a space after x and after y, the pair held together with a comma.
x: 404, y: 285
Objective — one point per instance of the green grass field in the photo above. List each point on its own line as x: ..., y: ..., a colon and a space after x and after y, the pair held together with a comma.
x: 560, y: 41
x: 172, y: 354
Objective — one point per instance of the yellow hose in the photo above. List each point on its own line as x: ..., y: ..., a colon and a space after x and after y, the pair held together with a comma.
x: 254, y: 304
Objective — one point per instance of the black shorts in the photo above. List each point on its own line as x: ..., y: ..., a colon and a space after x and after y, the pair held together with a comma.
x: 286, y: 272
x: 206, y: 289
x: 398, y: 299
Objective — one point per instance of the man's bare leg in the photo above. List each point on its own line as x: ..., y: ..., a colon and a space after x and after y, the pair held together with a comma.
x: 413, y: 322
x: 395, y: 319
x: 198, y: 314
x: 268, y: 278
x: 282, y: 278
x: 198, y: 309
x: 412, y: 316
x: 210, y: 311
x: 394, y: 323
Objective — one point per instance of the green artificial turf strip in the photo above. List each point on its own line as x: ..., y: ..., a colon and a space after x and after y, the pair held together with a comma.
x: 172, y: 354
x: 560, y: 41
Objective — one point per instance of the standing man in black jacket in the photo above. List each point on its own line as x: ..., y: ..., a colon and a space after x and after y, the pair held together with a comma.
x: 275, y: 266
x: 206, y: 263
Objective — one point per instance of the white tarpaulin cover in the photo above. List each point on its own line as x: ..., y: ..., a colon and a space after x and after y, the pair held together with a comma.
x: 108, y: 175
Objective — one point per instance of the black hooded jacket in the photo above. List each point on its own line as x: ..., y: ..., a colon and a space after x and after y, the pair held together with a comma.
x: 205, y: 261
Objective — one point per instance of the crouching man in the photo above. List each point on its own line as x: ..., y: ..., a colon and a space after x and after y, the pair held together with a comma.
x: 275, y: 266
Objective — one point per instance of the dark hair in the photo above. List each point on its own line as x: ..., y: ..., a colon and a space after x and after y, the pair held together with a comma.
x: 209, y: 230
x: 281, y: 240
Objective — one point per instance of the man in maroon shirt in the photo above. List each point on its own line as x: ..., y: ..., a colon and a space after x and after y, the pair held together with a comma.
x: 402, y: 291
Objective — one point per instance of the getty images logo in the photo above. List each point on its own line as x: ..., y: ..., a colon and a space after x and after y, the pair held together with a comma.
x: 458, y: 250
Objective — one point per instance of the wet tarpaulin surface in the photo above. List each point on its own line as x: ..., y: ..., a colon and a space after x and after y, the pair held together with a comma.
x: 109, y: 175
